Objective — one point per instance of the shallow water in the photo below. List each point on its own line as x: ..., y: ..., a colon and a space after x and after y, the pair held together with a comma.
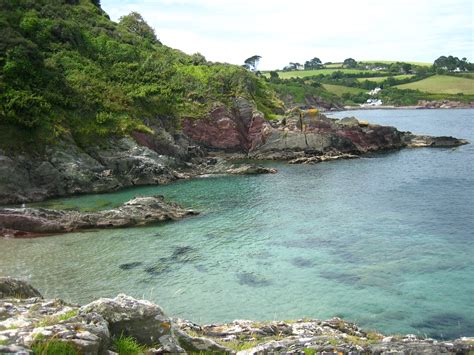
x: 386, y: 241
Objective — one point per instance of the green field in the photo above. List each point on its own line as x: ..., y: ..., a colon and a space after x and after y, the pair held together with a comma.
x: 442, y: 84
x: 333, y: 65
x: 379, y: 79
x: 340, y: 89
x: 465, y: 75
x: 424, y: 64
x: 306, y: 73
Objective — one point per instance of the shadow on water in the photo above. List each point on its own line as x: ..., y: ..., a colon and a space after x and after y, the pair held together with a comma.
x: 302, y: 262
x: 252, y: 279
x: 444, y: 325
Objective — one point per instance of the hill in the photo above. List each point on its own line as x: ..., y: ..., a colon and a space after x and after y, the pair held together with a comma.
x: 307, y: 73
x: 423, y: 64
x: 67, y: 70
x: 442, y: 84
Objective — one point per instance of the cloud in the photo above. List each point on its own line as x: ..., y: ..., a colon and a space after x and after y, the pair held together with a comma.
x: 282, y: 31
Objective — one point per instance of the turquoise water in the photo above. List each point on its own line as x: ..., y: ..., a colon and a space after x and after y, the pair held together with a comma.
x: 386, y: 241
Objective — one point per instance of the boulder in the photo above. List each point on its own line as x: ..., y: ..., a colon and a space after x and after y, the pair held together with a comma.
x: 10, y: 287
x: 140, y: 319
x: 29, y: 323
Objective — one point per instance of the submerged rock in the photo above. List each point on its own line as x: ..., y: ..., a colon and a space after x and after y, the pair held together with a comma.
x: 26, y: 222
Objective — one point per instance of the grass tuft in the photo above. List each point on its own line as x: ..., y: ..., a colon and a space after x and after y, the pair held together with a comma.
x: 51, y: 320
x: 54, y: 347
x: 128, y: 346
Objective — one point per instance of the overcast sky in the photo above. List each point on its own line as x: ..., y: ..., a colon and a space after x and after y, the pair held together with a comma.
x: 283, y: 31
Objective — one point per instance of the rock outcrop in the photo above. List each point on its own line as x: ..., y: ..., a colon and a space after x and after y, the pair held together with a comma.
x: 306, y: 139
x: 66, y: 169
x: 27, y: 325
x: 10, y: 287
x: 240, y: 128
x: 27, y: 222
x: 415, y: 141
x: 144, y: 321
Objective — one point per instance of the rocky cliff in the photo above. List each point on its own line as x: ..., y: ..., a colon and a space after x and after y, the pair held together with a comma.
x: 160, y: 157
x: 243, y: 129
x: 30, y: 324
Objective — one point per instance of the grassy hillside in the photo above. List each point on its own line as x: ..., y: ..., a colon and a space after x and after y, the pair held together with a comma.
x: 66, y: 69
x: 442, y: 84
x: 379, y: 79
x: 307, y: 73
x: 424, y: 64
x: 339, y: 90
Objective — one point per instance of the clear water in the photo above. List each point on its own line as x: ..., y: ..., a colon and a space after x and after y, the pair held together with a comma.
x: 386, y: 241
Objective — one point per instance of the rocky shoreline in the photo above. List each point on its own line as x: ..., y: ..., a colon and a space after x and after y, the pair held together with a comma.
x: 421, y: 105
x: 29, y: 323
x: 204, y: 146
x: 140, y: 211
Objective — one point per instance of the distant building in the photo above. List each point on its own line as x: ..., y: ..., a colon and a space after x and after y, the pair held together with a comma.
x: 374, y: 92
x: 372, y: 102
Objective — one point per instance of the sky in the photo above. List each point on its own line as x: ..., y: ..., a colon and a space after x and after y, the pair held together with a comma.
x: 283, y: 31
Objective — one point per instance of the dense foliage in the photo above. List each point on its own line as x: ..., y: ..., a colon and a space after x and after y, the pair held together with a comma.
x: 66, y: 69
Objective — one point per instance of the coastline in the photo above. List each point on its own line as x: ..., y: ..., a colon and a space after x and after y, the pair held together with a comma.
x: 31, y: 324
x: 429, y: 105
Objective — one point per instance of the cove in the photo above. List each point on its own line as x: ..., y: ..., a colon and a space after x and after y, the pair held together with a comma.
x: 385, y: 241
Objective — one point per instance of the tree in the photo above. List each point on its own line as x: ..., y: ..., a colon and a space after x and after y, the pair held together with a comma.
x: 251, y: 63
x: 274, y: 77
x: 135, y: 23
x: 349, y: 63
x: 314, y: 63
x: 406, y: 67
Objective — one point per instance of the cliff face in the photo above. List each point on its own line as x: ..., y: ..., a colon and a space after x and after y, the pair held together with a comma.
x: 66, y: 169
x: 237, y: 129
x: 244, y: 129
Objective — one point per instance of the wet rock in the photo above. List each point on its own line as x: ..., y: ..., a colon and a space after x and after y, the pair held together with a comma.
x: 136, y: 212
x: 320, y: 158
x: 10, y: 287
x: 248, y: 169
x: 415, y: 141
